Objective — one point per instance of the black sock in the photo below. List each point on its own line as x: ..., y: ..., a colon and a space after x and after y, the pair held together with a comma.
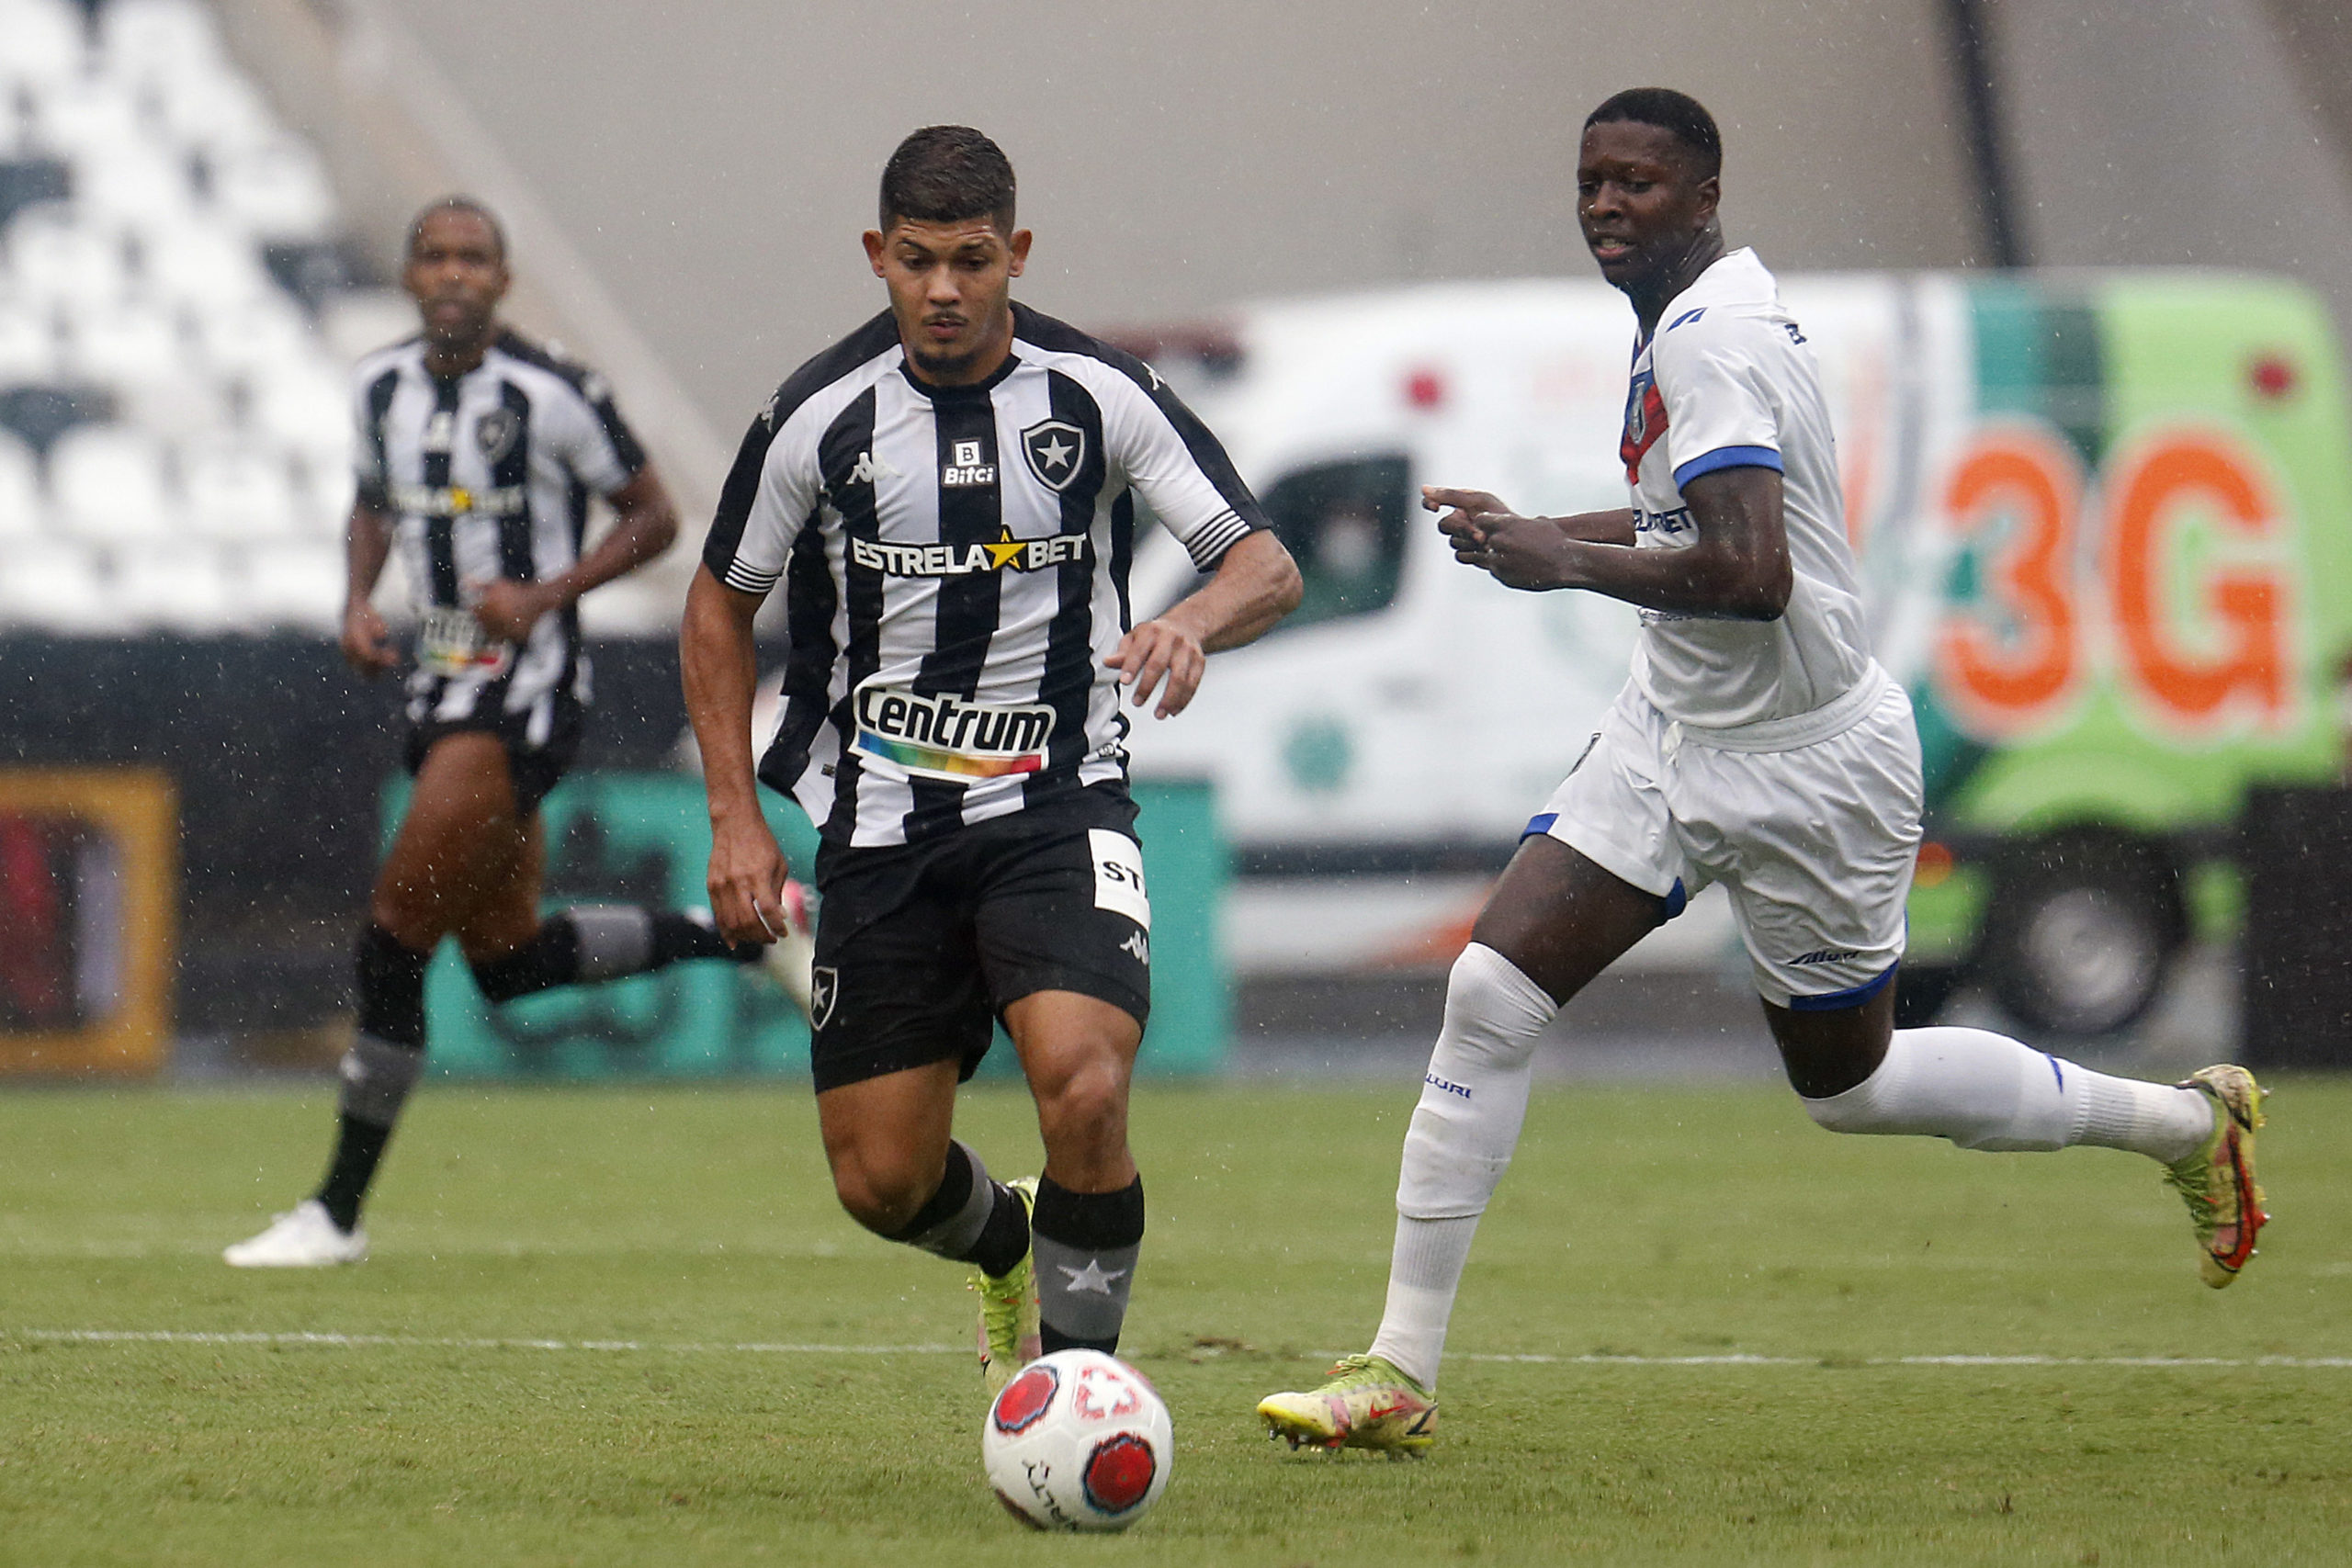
x: 358, y: 1146
x: 969, y: 1218
x: 601, y: 941
x: 383, y: 1064
x: 1086, y: 1245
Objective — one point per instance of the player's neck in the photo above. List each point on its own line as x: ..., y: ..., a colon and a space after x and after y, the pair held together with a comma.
x: 1651, y: 300
x: 448, y: 361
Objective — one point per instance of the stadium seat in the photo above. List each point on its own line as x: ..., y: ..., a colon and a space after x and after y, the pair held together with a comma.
x: 55, y: 583
x: 109, y: 484
x: 139, y: 188
x: 237, y: 491
x: 264, y: 336
x: 123, y: 341
x: 28, y: 345
x: 276, y: 192
x: 177, y: 587
x: 140, y: 37
x: 45, y: 41
x: 206, y: 270
x: 294, y: 584
x: 322, y: 497
x: 88, y: 119
x: 23, y: 509
x: 309, y: 409
x: 53, y: 258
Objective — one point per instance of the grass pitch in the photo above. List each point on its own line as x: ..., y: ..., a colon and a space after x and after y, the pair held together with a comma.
x: 575, y: 1342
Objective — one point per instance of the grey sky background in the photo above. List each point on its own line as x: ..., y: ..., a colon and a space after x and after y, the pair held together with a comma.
x: 714, y: 161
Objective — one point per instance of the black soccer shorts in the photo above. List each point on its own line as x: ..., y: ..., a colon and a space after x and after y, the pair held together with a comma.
x: 532, y: 770
x: 922, y: 947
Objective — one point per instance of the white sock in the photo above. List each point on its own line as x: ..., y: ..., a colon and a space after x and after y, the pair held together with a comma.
x: 1474, y: 1099
x: 1985, y: 1092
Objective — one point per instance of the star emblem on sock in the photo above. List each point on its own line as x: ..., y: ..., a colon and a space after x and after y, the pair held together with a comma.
x: 1093, y: 1276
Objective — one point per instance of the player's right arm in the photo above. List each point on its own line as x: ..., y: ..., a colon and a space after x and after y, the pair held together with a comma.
x: 718, y: 664
x: 769, y: 496
x: 366, y: 544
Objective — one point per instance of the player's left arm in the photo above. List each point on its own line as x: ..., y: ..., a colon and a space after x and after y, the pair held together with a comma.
x: 1256, y: 585
x: 1183, y: 473
x: 645, y: 524
x: 1737, y: 568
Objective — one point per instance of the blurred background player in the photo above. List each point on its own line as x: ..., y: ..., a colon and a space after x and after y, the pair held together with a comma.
x: 478, y: 452
x: 948, y: 497
x: 1758, y: 744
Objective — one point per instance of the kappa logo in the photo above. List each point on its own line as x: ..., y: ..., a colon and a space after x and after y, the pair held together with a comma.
x: 824, y: 990
x: 1056, y: 450
x: 870, y: 468
x: 496, y: 432
x: 1138, y: 947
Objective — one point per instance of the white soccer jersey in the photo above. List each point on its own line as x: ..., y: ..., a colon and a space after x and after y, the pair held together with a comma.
x: 1727, y: 381
x: 488, y: 475
x: 955, y: 563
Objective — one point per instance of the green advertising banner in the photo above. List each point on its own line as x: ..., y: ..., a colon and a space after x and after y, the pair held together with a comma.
x: 645, y: 839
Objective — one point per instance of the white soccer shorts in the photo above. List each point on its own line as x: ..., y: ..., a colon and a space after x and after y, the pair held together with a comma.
x: 1815, y: 842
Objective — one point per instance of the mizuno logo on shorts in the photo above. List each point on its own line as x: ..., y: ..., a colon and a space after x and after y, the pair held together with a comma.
x: 1827, y: 956
x: 943, y: 736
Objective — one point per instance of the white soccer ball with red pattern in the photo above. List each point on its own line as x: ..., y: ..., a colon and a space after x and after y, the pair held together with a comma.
x: 1079, y: 1441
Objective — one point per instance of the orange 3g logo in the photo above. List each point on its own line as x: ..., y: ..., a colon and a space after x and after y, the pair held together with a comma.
x: 2177, y: 556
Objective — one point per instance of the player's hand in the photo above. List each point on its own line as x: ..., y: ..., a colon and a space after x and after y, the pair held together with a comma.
x: 508, y: 610
x: 1519, y: 552
x: 1156, y: 649
x: 746, y: 883
x: 367, y: 645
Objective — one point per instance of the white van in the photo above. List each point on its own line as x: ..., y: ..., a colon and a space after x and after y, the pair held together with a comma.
x: 1404, y: 722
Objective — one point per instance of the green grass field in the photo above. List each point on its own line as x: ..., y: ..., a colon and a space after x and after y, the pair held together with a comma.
x: 572, y: 1343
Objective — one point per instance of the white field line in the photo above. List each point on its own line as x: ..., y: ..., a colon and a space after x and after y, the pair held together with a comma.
x: 415, y: 1342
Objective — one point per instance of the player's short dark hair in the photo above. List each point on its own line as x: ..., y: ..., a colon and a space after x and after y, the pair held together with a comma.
x: 457, y: 204
x: 945, y: 173
x: 1678, y: 113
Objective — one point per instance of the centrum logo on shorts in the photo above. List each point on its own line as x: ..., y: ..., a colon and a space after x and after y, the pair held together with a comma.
x: 952, y: 560
x: 942, y: 736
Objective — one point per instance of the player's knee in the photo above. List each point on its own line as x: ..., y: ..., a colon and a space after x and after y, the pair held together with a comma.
x: 882, y: 1194
x: 1085, y: 1108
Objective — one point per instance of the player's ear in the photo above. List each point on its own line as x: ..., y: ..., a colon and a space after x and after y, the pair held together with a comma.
x: 874, y: 250
x: 1019, y: 246
x: 1711, y: 195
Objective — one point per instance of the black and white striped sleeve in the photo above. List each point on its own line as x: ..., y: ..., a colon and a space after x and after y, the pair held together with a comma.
x: 372, y: 389
x: 603, y: 451
x: 770, y: 494
x: 1177, y: 464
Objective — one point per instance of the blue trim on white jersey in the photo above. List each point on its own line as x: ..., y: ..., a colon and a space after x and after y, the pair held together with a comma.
x: 1727, y: 457
x: 1852, y: 996
x: 1541, y: 823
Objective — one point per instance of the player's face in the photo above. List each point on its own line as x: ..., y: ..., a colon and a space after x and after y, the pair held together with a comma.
x: 457, y: 275
x: 1639, y: 206
x: 951, y: 289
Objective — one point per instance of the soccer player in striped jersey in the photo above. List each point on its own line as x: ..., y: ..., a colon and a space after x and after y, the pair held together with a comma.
x: 949, y: 498
x: 1757, y: 744
x: 477, y: 453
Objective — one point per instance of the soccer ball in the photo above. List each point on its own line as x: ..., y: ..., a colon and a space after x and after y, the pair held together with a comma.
x: 1079, y: 1441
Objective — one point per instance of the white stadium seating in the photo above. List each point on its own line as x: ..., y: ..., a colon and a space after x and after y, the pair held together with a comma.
x: 181, y: 453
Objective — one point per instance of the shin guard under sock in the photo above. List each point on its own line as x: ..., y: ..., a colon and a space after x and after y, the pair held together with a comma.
x: 1085, y: 1245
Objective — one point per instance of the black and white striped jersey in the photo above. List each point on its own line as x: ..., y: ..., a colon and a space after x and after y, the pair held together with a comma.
x: 955, y: 565
x: 488, y: 475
